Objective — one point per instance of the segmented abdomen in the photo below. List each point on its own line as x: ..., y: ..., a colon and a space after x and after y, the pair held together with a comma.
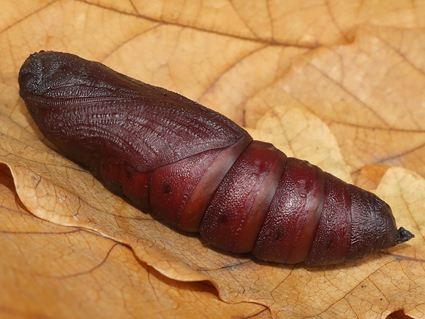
x: 281, y: 209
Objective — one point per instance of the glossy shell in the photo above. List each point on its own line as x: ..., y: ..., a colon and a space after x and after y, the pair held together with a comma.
x: 198, y: 170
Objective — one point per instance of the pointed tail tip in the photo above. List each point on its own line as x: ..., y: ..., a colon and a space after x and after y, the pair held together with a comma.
x: 403, y: 235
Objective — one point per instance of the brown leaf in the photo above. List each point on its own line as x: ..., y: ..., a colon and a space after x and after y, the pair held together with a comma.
x: 369, y: 93
x: 370, y: 176
x: 300, y: 74
x: 66, y: 272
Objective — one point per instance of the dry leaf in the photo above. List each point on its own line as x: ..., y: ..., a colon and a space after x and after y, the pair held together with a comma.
x: 65, y: 272
x: 370, y: 176
x: 369, y: 93
x: 343, y: 99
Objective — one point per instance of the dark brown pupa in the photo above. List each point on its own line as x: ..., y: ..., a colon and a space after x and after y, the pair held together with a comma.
x: 198, y: 170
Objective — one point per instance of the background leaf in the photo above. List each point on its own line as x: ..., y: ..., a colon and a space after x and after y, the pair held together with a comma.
x: 339, y: 84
